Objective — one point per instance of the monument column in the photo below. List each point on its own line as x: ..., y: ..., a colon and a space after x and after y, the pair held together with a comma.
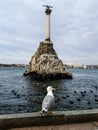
x: 48, y: 12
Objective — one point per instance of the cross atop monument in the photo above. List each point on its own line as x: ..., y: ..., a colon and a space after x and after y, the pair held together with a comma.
x: 48, y: 12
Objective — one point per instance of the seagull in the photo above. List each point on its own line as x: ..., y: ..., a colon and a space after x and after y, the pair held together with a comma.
x: 48, y: 101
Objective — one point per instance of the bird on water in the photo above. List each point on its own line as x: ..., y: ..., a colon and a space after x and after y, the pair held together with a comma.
x: 48, y: 101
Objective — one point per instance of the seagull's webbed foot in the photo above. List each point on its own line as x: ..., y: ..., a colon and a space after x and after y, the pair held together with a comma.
x: 52, y: 112
x: 43, y: 113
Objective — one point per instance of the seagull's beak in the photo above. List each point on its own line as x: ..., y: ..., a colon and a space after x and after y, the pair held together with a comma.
x: 54, y: 89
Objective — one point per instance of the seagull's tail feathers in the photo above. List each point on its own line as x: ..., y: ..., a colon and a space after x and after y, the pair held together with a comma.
x: 44, y: 111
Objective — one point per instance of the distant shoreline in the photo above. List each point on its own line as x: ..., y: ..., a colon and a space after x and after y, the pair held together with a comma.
x: 66, y: 66
x: 12, y: 65
x: 81, y: 66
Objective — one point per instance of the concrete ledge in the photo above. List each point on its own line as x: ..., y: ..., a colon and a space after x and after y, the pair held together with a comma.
x: 34, y: 119
x: 29, y: 119
x: 81, y: 116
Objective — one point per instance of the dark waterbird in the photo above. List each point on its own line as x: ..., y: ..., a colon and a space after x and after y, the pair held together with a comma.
x: 95, y: 95
x: 67, y: 96
x: 63, y: 97
x: 91, y: 91
x: 83, y: 95
x: 71, y: 102
x: 18, y: 95
x: 57, y: 100
x: 81, y: 92
x: 88, y: 102
x: 96, y: 100
x: 75, y: 92
x: 13, y: 91
x: 78, y: 99
x: 84, y: 91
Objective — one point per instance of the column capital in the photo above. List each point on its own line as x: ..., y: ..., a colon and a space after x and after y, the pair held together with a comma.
x: 48, y: 11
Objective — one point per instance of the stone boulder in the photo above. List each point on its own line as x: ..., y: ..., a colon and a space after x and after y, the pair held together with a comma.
x: 45, y: 64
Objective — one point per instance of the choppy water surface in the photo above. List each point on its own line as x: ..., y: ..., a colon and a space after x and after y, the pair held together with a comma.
x: 20, y: 94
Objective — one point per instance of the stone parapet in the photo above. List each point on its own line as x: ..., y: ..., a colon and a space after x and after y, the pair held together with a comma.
x: 35, y: 119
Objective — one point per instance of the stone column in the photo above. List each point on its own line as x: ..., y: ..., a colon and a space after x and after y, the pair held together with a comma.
x: 48, y: 12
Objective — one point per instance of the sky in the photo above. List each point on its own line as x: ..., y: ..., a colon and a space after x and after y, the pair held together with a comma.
x: 74, y: 30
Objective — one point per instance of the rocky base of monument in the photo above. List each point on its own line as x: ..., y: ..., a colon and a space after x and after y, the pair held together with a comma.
x: 45, y: 64
x: 39, y: 76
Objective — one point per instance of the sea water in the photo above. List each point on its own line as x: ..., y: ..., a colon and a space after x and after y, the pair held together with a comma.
x: 19, y: 94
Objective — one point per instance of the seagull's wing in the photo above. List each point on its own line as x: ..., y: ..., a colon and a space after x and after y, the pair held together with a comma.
x: 47, y: 102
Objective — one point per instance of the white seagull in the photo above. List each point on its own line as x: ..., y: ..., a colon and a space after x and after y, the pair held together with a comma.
x: 48, y: 101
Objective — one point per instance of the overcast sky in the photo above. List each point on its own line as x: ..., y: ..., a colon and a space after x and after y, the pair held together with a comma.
x: 74, y: 30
